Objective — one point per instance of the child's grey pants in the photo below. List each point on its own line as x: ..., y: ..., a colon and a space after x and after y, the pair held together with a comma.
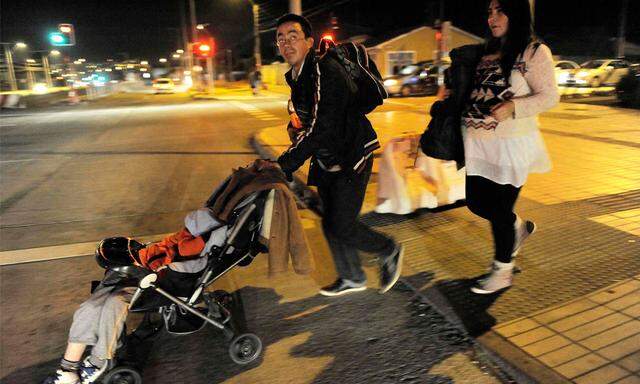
x: 100, y: 319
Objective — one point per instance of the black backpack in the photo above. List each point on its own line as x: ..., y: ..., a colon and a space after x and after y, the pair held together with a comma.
x: 362, y: 70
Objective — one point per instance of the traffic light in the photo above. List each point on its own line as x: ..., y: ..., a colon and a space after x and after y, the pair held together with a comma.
x: 204, y: 48
x: 64, y: 36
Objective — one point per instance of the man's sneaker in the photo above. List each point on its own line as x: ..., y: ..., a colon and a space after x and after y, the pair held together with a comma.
x: 342, y: 287
x: 523, y: 230
x: 89, y: 373
x: 63, y: 377
x: 500, y: 278
x: 390, y: 269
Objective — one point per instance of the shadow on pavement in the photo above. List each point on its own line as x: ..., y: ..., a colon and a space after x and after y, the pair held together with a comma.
x: 359, y: 338
x: 470, y: 308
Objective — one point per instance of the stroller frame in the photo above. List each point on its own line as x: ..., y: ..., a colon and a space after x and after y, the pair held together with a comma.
x: 244, y: 348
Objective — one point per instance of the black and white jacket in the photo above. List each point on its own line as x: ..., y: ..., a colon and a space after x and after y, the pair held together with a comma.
x: 334, y: 134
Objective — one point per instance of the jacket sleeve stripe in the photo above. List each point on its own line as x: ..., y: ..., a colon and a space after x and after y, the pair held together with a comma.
x: 314, y: 111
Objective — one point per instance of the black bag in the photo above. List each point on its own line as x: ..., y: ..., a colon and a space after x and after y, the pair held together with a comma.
x: 362, y: 70
x: 443, y: 137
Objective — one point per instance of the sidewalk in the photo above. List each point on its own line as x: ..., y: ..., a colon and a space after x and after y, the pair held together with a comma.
x: 239, y: 90
x: 573, y: 314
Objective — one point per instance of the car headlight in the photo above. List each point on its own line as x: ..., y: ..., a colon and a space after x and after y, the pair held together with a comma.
x: 582, y: 74
x: 390, y: 82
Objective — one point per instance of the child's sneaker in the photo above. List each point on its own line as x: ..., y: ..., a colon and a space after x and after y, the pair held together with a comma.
x: 63, y: 377
x: 89, y: 373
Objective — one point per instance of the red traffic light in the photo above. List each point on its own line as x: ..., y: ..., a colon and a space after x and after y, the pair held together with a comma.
x: 204, y: 48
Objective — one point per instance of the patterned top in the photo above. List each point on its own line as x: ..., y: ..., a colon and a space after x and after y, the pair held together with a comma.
x: 506, y: 152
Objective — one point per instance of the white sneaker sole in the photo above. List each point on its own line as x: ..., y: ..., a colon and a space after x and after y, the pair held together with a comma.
x: 396, y: 276
x: 481, y: 291
x: 343, y: 292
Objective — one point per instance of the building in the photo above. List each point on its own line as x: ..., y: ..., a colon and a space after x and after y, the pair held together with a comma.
x: 402, y: 48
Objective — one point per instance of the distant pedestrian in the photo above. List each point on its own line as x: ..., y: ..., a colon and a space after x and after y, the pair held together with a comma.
x: 255, y: 80
x: 513, y: 82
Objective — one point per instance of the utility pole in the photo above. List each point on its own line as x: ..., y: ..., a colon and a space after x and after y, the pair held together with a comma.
x: 30, y: 79
x: 621, y: 28
x: 47, y: 70
x: 295, y: 6
x: 532, y: 3
x: 11, y: 75
x: 194, y: 37
x: 256, y: 34
x: 187, y: 59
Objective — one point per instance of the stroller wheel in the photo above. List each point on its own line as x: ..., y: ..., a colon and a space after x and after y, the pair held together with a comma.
x: 245, y: 348
x: 122, y: 375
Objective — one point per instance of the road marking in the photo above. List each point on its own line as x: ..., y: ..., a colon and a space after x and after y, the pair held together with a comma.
x: 255, y: 111
x: 57, y: 252
x: 17, y: 161
x: 8, y: 125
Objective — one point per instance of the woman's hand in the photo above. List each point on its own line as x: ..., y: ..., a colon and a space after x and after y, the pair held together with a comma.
x: 503, y: 111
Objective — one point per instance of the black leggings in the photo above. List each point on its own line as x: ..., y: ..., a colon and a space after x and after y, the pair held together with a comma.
x: 494, y: 202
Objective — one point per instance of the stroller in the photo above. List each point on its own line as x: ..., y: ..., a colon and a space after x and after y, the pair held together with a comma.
x: 178, y: 303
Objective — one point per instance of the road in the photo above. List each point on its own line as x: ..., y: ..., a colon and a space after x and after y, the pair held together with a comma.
x: 133, y: 165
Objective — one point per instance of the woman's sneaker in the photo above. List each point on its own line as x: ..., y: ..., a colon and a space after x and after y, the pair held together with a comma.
x: 63, y: 377
x: 342, y: 287
x: 501, y: 277
x: 523, y: 230
x: 89, y: 373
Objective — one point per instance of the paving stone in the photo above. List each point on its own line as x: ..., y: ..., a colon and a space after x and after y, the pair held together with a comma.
x: 622, y: 348
x: 543, y: 346
x: 597, y: 326
x: 632, y: 379
x: 615, y: 292
x: 631, y: 362
x: 563, y: 355
x: 625, y: 301
x: 603, y: 375
x: 532, y: 336
x: 633, y: 311
x: 565, y: 311
x: 580, y: 318
x: 612, y: 335
x: 581, y: 365
x: 517, y: 327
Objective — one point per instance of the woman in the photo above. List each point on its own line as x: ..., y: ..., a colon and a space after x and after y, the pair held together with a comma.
x: 514, y: 82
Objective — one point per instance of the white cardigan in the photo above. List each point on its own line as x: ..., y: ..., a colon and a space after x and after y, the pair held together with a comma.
x: 508, y: 153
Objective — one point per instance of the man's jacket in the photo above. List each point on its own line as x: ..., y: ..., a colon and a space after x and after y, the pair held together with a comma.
x: 287, y: 239
x: 333, y: 133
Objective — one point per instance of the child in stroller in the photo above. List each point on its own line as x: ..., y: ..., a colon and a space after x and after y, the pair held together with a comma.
x: 143, y: 278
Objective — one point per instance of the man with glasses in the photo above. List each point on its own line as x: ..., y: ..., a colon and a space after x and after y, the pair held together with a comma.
x: 340, y: 142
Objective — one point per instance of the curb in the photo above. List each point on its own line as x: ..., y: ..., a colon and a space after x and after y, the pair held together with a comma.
x: 490, y: 347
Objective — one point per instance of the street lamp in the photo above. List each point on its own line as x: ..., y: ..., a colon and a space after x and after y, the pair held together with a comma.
x: 162, y: 60
x: 21, y: 45
x: 11, y: 73
x: 175, y: 56
x: 55, y: 52
x: 144, y: 62
x: 180, y: 51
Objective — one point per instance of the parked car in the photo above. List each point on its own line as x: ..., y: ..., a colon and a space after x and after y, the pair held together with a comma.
x: 563, y: 69
x: 628, y: 89
x: 419, y: 78
x: 163, y: 85
x: 596, y: 73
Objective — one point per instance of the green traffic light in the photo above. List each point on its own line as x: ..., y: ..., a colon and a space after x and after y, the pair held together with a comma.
x: 57, y: 38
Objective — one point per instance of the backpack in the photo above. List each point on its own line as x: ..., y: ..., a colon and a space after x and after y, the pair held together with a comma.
x: 363, y: 71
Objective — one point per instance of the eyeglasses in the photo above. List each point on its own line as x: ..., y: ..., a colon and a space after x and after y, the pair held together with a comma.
x: 292, y: 39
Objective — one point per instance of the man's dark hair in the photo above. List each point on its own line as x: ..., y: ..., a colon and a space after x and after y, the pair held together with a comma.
x: 293, y: 18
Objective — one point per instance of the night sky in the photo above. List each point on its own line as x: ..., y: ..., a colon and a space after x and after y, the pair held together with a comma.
x: 146, y: 29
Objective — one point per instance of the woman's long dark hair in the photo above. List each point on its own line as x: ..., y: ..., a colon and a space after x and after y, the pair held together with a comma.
x: 519, y: 34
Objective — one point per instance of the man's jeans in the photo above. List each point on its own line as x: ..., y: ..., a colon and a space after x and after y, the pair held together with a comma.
x: 342, y: 196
